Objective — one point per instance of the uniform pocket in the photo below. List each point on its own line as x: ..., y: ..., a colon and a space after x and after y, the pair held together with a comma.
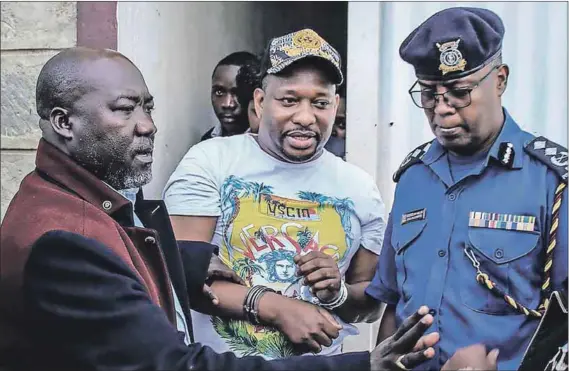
x: 502, y: 254
x: 402, y: 239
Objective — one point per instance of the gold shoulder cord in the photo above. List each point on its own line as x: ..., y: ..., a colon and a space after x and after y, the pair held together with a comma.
x: 485, y: 281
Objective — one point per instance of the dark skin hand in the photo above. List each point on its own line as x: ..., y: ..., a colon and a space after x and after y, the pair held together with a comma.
x: 306, y: 325
x: 321, y: 273
x: 218, y: 270
x: 409, y: 342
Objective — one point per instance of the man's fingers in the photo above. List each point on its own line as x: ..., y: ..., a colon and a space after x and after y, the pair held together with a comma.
x: 414, y: 359
x: 427, y: 341
x: 332, y: 327
x: 321, y: 275
x: 230, y: 275
x: 209, y: 293
x: 410, y: 322
x: 316, y: 265
x: 330, y: 284
x: 309, y: 345
x: 322, y: 338
x: 493, y: 358
x: 300, y: 260
x: 408, y: 340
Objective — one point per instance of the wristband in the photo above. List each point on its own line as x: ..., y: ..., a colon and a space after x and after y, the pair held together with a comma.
x: 339, y: 301
x: 251, y: 303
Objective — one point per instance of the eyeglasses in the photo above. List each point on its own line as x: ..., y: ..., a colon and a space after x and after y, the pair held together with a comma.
x: 458, y: 97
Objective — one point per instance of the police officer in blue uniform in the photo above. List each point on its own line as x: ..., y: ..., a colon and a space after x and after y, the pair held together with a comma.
x: 478, y: 228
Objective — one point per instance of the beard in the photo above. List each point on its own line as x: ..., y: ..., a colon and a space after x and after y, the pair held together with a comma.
x: 299, y: 159
x: 126, y: 178
x: 114, y: 165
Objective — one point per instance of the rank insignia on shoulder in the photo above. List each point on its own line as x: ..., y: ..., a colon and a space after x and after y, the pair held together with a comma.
x: 551, y: 154
x: 506, y: 154
x: 411, y: 159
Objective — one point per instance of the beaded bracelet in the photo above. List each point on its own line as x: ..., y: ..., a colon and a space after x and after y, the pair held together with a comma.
x: 251, y: 303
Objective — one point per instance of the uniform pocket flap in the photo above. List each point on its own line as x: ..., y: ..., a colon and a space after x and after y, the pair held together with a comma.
x: 502, y: 246
x: 404, y: 235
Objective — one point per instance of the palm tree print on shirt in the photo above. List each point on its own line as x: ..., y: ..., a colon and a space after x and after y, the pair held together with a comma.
x: 239, y: 196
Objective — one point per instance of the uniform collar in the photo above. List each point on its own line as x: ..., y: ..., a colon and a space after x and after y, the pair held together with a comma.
x: 510, y: 133
x: 63, y: 170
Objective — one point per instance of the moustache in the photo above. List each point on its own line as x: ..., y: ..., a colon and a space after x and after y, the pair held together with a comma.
x: 144, y: 146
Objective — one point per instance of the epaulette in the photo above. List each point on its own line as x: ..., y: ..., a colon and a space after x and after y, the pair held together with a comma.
x: 411, y: 159
x: 551, y: 154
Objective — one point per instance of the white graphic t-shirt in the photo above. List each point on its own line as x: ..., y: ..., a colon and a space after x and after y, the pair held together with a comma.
x: 269, y: 211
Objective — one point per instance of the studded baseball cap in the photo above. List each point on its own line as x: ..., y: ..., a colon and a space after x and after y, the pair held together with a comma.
x: 285, y: 50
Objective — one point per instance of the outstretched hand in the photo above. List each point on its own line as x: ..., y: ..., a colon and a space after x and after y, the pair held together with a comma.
x: 407, y: 348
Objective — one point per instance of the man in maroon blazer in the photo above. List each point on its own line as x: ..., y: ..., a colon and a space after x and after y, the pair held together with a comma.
x: 88, y: 284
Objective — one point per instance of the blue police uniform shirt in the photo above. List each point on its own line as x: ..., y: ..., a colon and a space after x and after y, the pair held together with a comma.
x: 422, y: 261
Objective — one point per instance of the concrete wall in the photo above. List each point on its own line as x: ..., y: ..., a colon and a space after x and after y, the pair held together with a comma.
x: 31, y: 33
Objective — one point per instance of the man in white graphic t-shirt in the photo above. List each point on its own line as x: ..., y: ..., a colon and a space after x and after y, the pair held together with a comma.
x: 300, y: 226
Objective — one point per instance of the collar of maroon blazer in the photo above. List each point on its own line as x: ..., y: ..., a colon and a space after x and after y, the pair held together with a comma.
x: 65, y: 171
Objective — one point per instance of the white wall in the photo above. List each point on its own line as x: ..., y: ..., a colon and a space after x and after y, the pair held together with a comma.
x: 535, y: 48
x: 176, y: 46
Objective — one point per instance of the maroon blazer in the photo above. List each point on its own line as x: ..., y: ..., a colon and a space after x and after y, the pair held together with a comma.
x: 61, y: 195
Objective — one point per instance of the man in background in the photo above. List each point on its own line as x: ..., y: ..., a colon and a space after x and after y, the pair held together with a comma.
x: 229, y: 110
x: 247, y: 81
x: 337, y: 142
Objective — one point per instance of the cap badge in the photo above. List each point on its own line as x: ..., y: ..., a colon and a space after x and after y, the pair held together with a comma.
x: 307, y: 39
x: 451, y: 58
x: 305, y: 42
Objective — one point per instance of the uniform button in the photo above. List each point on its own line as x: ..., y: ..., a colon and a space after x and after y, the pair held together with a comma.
x: 150, y: 240
x: 499, y: 253
x: 433, y: 312
x: 107, y: 205
x: 452, y: 197
x: 442, y: 253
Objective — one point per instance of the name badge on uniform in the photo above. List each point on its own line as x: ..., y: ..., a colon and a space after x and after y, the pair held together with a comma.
x: 502, y: 221
x: 413, y: 215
